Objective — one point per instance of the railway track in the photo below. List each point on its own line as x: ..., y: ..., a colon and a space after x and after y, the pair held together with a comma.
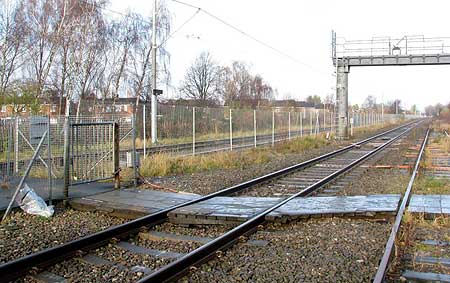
x: 299, y: 180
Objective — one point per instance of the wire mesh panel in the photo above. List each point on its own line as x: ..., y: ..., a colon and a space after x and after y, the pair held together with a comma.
x: 242, y: 127
x: 281, y: 126
x: 211, y: 124
x: 263, y: 126
x: 174, y: 124
x: 6, y: 148
x: 295, y: 123
x: 21, y: 138
x: 93, y: 151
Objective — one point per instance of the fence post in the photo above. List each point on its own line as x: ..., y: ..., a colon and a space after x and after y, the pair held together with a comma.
x: 231, y: 130
x: 16, y: 145
x: 66, y: 157
x: 352, y: 121
x: 317, y: 127
x: 254, y: 125
x: 144, y: 129
x: 116, y: 156
x: 133, y: 125
x: 193, y: 130
x: 273, y: 128
x: 49, y: 163
x: 301, y: 125
x: 8, y: 154
x: 289, y: 125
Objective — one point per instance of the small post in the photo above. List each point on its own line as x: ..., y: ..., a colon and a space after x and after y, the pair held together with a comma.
x: 8, y: 153
x: 317, y: 128
x: 331, y: 121
x: 273, y: 128
x: 310, y: 124
x: 231, y: 130
x: 301, y: 125
x: 116, y: 156
x: 193, y: 130
x: 16, y: 145
x: 254, y: 126
x: 49, y: 163
x: 352, y: 120
x: 324, y: 119
x: 289, y: 125
x: 144, y: 130
x: 134, y: 155
x: 66, y: 157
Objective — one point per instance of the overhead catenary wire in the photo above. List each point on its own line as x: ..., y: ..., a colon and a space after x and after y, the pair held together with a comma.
x: 267, y: 45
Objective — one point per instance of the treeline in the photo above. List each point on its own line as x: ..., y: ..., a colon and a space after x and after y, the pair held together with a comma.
x: 390, y: 107
x: 208, y: 83
x: 438, y: 110
x: 73, y: 49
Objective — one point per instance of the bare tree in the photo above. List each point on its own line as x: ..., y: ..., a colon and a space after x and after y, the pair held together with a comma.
x: 370, y: 102
x: 140, y: 55
x: 260, y: 90
x: 237, y: 84
x: 12, y: 34
x: 45, y: 22
x: 203, y: 80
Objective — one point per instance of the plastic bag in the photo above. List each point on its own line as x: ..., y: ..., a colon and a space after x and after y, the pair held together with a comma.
x: 31, y: 203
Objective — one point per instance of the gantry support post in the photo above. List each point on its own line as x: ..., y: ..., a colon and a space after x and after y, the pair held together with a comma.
x: 342, y: 100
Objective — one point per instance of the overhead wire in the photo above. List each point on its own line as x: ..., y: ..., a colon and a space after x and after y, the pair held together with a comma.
x: 284, y: 54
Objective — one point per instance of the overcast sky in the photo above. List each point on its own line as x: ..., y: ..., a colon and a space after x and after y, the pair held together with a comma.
x: 302, y: 29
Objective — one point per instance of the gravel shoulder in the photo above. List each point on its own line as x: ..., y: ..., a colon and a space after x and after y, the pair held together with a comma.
x: 316, y: 250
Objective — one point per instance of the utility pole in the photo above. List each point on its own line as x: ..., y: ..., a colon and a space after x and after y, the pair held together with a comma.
x: 154, y: 105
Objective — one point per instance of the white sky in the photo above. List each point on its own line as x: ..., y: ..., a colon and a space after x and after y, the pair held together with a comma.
x: 302, y: 29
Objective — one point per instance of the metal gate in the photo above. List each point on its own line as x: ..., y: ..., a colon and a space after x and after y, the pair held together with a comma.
x: 93, y: 151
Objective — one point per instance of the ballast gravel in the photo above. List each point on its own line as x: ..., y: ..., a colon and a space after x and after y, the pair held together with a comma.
x: 316, y: 250
x: 22, y: 234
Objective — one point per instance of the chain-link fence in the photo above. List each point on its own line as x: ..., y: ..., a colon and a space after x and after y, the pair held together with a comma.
x: 185, y: 130
x: 38, y: 151
x: 97, y: 148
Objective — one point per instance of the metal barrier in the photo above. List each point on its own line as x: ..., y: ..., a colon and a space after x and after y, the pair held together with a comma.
x: 94, y: 152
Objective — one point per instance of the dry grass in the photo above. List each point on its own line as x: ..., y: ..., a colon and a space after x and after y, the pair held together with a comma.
x: 163, y: 164
x: 431, y: 186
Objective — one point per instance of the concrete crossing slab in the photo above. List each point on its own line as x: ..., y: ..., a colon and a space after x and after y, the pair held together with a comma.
x: 430, y: 205
x: 238, y: 209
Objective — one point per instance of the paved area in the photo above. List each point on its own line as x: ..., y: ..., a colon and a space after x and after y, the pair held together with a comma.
x: 41, y: 188
x: 430, y: 205
x: 238, y: 209
x: 133, y: 203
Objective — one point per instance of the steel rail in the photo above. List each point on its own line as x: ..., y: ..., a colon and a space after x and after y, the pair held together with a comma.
x: 16, y: 268
x: 382, y: 268
x: 178, y: 267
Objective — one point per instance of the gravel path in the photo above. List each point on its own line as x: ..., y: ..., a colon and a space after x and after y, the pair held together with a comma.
x: 317, y: 250
x: 23, y: 234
